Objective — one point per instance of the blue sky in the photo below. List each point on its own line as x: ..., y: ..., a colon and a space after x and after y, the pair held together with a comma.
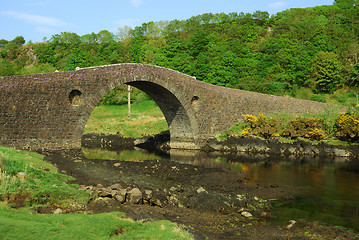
x: 36, y: 19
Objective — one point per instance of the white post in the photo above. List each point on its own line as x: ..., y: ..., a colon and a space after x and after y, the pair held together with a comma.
x: 129, y: 101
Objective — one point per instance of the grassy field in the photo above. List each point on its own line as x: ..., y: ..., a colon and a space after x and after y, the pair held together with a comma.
x: 26, y: 224
x: 146, y: 120
x: 40, y: 185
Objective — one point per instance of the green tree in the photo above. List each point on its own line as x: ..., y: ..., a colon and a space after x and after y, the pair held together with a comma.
x: 6, y: 68
x: 326, y: 72
x: 3, y: 43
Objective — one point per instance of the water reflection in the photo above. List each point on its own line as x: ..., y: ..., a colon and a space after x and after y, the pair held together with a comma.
x: 324, y: 190
x: 122, y: 155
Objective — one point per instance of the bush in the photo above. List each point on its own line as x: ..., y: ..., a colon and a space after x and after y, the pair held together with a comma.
x: 260, y: 126
x: 117, y: 96
x: 311, y: 128
x: 318, y: 98
x: 347, y: 127
x: 304, y: 93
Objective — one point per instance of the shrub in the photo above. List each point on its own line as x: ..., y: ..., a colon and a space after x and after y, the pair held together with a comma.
x: 318, y: 98
x: 304, y: 93
x: 311, y: 128
x: 260, y: 126
x: 347, y: 127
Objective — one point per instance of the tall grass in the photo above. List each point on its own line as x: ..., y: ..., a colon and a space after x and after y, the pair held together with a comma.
x: 8, y: 183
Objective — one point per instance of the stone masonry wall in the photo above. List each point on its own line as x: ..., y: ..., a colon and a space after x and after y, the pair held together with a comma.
x: 49, y: 111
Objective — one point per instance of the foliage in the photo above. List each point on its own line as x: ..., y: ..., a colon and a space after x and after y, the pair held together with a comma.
x: 326, y: 71
x: 119, y: 96
x: 260, y: 126
x: 329, y: 127
x: 311, y: 128
x: 313, y: 48
x: 347, y: 127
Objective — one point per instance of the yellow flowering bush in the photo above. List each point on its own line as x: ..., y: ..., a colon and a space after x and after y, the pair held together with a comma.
x: 311, y: 128
x: 260, y: 126
x: 245, y: 131
x: 347, y: 127
x: 251, y: 118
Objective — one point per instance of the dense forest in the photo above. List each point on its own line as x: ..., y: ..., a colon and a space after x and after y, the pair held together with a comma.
x: 315, y: 49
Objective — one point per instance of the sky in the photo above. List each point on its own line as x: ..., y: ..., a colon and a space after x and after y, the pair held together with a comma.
x: 39, y: 19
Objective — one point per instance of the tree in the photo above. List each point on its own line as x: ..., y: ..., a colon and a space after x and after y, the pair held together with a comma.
x: 19, y: 41
x: 124, y: 33
x: 105, y: 36
x: 3, y: 43
x: 66, y: 38
x: 326, y: 72
x: 6, y: 68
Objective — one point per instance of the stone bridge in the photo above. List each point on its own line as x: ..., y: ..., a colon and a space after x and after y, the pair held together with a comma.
x: 49, y: 111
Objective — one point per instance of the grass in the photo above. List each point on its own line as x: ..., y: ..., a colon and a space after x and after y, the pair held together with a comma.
x: 26, y: 224
x: 344, y: 96
x: 44, y: 186
x: 146, y: 120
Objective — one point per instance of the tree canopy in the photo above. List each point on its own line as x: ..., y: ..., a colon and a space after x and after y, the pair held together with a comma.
x: 316, y: 48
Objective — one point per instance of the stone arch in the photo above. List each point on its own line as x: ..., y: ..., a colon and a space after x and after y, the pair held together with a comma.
x: 175, y: 106
x: 181, y: 123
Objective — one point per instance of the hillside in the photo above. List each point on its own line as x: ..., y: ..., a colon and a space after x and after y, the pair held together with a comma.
x: 315, y: 49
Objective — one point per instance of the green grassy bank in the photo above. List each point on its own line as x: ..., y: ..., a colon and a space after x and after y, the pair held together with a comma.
x: 146, y: 120
x: 28, y: 183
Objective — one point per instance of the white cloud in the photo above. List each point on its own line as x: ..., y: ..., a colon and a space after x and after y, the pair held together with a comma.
x: 279, y: 4
x: 36, y: 19
x: 137, y: 3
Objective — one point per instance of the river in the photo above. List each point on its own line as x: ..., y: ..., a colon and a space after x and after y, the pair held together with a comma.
x: 325, y: 190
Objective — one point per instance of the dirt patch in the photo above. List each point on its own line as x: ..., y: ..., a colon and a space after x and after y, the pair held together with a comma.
x: 207, y: 201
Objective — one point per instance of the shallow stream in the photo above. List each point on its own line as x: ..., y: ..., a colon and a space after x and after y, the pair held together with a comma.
x: 325, y: 190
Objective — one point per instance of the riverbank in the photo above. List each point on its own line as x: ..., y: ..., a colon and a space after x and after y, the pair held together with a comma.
x: 231, y: 145
x: 297, y: 148
x: 30, y: 187
x: 210, y: 201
